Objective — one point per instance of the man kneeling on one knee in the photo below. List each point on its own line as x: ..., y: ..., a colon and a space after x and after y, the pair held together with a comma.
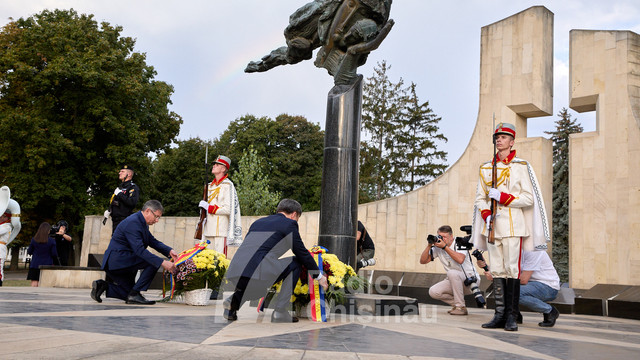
x: 127, y: 253
x: 458, y: 266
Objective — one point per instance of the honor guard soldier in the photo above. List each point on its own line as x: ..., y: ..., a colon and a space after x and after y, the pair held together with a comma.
x: 223, y: 225
x: 124, y: 198
x: 518, y: 221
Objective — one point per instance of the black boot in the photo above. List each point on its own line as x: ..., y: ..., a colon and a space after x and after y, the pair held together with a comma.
x: 499, y: 285
x: 512, y: 301
x: 550, y: 318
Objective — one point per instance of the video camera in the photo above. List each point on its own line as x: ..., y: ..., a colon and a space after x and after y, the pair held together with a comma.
x: 464, y: 242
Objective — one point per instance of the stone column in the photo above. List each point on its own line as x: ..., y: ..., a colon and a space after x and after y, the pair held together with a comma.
x: 339, y: 197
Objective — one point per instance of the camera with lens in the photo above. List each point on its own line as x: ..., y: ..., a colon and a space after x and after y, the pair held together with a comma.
x: 432, y: 239
x: 54, y: 229
x: 471, y: 282
x: 364, y: 263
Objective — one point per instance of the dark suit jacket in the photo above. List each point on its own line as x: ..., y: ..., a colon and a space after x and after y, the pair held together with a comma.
x: 42, y: 253
x: 268, y: 239
x: 129, y: 244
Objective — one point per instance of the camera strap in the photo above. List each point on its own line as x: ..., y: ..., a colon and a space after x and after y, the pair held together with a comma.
x: 462, y: 265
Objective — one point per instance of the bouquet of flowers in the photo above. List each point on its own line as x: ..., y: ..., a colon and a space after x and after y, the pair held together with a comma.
x: 342, y: 279
x: 205, y: 269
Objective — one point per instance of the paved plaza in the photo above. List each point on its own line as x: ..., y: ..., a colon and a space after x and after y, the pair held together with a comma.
x: 56, y: 323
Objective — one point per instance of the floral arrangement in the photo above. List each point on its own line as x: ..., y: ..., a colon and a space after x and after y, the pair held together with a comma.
x: 342, y: 279
x: 205, y: 269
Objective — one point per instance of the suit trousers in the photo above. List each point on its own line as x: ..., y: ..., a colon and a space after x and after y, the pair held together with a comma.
x: 123, y: 281
x: 251, y: 288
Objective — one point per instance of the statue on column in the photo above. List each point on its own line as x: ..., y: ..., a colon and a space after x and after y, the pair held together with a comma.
x: 346, y: 31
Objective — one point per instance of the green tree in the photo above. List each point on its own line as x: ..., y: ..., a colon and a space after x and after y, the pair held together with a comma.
x: 416, y: 156
x: 370, y: 161
x: 565, y: 126
x: 253, y: 186
x: 179, y: 175
x: 75, y: 104
x: 382, y: 103
x: 292, y: 150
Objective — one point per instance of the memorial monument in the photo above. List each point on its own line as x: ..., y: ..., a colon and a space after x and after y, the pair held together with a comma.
x: 345, y: 33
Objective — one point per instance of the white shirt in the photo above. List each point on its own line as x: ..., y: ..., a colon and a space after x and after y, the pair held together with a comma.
x: 542, y: 267
x: 449, y: 264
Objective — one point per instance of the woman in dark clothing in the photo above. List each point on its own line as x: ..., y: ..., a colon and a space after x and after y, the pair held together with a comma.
x: 43, y: 251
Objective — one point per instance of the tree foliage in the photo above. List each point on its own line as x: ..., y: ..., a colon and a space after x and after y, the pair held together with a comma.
x: 382, y: 104
x: 253, y: 186
x: 565, y: 126
x: 417, y: 158
x: 291, y: 148
x: 75, y: 104
x: 401, y: 152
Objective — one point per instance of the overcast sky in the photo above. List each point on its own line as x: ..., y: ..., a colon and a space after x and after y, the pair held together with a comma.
x: 201, y: 48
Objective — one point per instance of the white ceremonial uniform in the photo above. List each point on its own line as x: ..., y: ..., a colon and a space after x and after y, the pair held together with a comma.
x: 520, y: 215
x: 223, y: 217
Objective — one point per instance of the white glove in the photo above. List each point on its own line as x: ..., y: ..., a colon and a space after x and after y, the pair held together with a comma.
x: 488, y: 220
x: 495, y: 194
x: 117, y: 191
x: 107, y: 213
x: 203, y: 204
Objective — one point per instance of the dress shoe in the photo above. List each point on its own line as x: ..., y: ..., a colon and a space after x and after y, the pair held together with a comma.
x: 459, y: 310
x: 230, y: 315
x: 282, y: 316
x: 97, y: 288
x: 550, y: 318
x: 139, y: 299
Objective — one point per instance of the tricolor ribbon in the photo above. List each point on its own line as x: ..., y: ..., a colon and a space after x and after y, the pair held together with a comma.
x: 182, y: 257
x: 316, y: 292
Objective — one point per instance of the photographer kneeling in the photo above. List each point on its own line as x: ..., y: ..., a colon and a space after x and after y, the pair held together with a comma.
x: 365, y: 248
x: 457, y: 264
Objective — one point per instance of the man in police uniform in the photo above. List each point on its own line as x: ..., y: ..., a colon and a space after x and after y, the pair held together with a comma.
x: 519, y: 221
x: 124, y: 198
x: 223, y: 225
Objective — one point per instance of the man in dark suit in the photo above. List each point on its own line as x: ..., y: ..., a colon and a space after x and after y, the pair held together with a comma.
x: 257, y: 265
x: 127, y: 253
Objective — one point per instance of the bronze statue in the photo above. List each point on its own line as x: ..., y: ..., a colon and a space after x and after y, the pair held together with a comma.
x: 345, y: 30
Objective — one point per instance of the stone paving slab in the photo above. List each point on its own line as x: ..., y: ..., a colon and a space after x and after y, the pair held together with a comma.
x: 54, y: 323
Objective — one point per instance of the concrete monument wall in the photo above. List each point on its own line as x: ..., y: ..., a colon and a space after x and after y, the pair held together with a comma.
x: 604, y: 165
x: 516, y: 68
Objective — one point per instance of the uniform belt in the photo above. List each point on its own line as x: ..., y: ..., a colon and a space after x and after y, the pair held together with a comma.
x: 3, y: 243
